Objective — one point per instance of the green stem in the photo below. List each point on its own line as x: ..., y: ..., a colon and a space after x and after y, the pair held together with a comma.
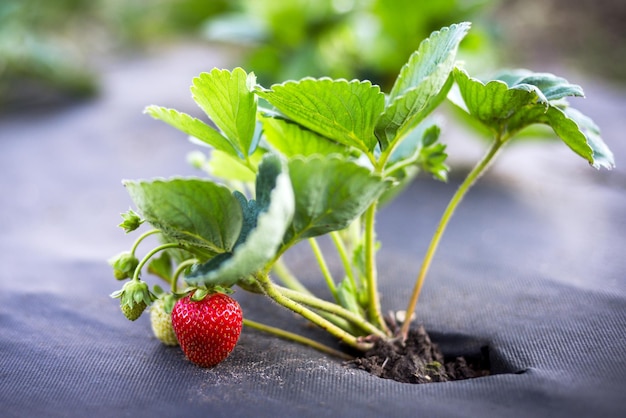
x: 287, y: 277
x: 249, y: 165
x: 372, y: 158
x: 319, y: 256
x: 386, y: 154
x: 371, y: 274
x: 333, y: 308
x: 297, y: 338
x: 343, y: 254
x: 292, y: 283
x: 141, y: 238
x: 278, y: 297
x: 149, y: 256
x: 471, y: 178
x: 179, y: 269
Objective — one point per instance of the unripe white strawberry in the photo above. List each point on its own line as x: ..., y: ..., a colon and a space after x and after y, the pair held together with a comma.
x: 161, y: 320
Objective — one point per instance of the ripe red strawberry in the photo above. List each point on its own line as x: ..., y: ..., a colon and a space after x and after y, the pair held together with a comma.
x: 207, y: 330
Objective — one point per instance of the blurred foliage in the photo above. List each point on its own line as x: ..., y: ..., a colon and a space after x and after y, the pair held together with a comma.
x: 365, y: 39
x: 49, y: 49
x: 37, y: 53
x: 141, y: 22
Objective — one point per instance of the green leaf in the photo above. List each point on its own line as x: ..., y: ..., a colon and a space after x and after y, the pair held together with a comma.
x: 347, y: 296
x: 227, y: 98
x: 422, y: 84
x: 203, y: 216
x: 517, y: 100
x: 344, y: 111
x: 551, y: 86
x: 291, y: 139
x: 191, y: 126
x: 438, y: 50
x: 581, y: 134
x: 330, y: 193
x: 161, y: 266
x: 274, y: 209
x: 230, y: 168
x: 503, y: 109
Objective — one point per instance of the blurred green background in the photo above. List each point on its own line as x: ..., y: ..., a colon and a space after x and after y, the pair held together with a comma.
x: 51, y: 51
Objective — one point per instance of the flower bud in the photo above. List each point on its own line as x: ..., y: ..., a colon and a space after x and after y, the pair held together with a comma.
x: 131, y: 221
x: 124, y: 265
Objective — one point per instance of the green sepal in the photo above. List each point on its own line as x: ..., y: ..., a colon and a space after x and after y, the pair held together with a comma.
x: 199, y: 294
x: 124, y: 265
x: 135, y: 297
x: 432, y: 157
x: 131, y: 221
x: 136, y: 291
x: 157, y: 290
x: 169, y: 300
x: 421, y: 148
x: 419, y: 151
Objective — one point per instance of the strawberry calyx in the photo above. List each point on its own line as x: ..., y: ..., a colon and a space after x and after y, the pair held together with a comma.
x: 199, y: 293
x: 169, y: 300
x: 135, y: 296
x: 131, y: 221
x: 124, y: 265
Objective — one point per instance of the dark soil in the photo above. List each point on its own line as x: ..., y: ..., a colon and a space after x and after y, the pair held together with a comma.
x: 419, y: 360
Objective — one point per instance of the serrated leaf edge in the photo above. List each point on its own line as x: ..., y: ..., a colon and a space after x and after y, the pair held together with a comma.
x: 263, y: 93
x: 183, y: 178
x: 417, y: 55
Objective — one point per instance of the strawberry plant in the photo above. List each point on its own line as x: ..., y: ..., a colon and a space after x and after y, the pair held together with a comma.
x: 303, y: 159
